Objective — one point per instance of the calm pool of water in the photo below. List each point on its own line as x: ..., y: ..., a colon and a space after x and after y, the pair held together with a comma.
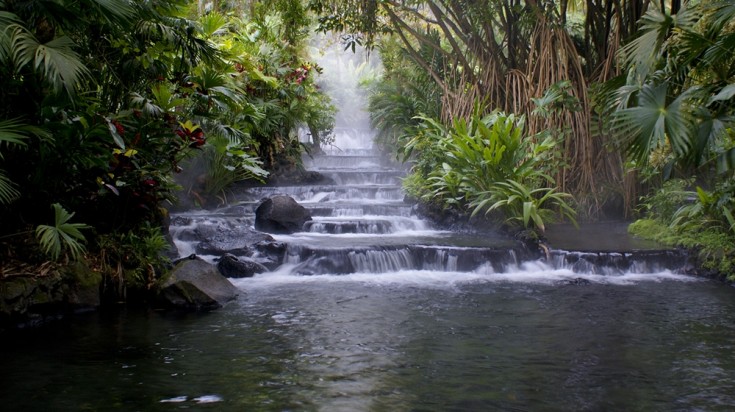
x: 413, y: 342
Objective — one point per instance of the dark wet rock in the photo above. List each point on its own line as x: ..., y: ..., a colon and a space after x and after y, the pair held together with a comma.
x: 295, y: 177
x: 268, y: 253
x: 577, y: 281
x: 243, y: 267
x: 197, y: 285
x: 181, y: 221
x: 281, y: 214
x: 225, y: 238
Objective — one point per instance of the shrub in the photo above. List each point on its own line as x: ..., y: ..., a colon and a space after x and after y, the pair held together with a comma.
x: 486, y: 164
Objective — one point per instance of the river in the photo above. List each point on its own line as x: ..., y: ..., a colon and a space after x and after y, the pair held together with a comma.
x: 374, y: 309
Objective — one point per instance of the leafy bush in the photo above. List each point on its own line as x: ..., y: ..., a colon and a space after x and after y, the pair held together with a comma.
x: 134, y: 259
x: 227, y: 163
x: 663, y: 203
x: 487, y: 165
x: 700, y: 220
x: 116, y: 97
x: 523, y: 204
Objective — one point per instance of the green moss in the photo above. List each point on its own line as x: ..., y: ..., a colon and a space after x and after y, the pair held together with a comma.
x: 82, y: 275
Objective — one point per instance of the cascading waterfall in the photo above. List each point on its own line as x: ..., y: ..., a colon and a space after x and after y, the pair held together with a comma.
x: 362, y: 225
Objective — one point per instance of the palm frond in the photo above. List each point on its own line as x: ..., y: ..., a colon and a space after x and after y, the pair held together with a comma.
x: 111, y: 10
x: 643, y: 53
x: 62, y: 235
x: 652, y: 123
x: 8, y: 191
x: 55, y: 60
x: 213, y: 24
x: 721, y: 52
x: 13, y: 132
x: 723, y: 11
x: 7, y: 19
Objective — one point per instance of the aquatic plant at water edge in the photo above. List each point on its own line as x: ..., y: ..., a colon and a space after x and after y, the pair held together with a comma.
x: 227, y: 163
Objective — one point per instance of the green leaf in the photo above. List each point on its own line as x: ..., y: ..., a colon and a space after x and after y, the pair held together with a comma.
x: 726, y: 161
x: 116, y: 136
x: 527, y: 209
x: 56, y: 60
x: 652, y: 122
x: 62, y: 235
x: 726, y: 93
x: 728, y: 215
x: 643, y: 53
x: 8, y: 191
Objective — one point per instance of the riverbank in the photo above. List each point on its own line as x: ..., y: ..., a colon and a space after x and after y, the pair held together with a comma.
x: 713, y: 249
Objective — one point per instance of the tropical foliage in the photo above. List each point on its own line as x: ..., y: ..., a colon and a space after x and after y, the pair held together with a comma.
x: 674, y: 115
x: 698, y: 219
x: 504, y: 54
x: 502, y: 106
x: 634, y: 92
x: 106, y: 104
x: 679, y: 87
x: 486, y: 164
x: 62, y: 235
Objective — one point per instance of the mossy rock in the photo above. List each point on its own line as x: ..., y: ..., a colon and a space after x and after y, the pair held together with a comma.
x: 70, y: 289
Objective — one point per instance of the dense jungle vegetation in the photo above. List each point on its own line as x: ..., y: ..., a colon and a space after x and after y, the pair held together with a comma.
x: 521, y: 110
x: 104, y: 102
x: 532, y: 110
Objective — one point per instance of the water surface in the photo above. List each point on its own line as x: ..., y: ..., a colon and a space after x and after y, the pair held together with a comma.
x: 414, y: 341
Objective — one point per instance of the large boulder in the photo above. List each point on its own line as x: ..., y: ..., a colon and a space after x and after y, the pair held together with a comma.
x: 281, y: 214
x: 196, y: 284
x: 233, y: 267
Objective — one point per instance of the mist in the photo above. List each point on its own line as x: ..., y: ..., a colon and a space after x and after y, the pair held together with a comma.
x: 343, y: 80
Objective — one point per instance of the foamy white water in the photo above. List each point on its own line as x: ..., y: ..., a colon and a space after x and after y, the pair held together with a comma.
x: 530, y: 273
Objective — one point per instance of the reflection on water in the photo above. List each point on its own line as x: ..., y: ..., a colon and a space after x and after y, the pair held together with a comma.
x: 336, y: 344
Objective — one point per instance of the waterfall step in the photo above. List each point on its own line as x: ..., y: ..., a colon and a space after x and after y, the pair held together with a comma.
x: 614, y: 263
x: 361, y: 224
x: 381, y: 259
x: 326, y: 162
x: 427, y: 238
x: 367, y: 225
x: 314, y: 194
x: 309, y: 260
x: 340, y: 208
x: 352, y: 177
x: 344, y: 208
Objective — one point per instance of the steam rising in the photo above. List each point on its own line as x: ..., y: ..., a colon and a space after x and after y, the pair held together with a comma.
x: 342, y: 80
